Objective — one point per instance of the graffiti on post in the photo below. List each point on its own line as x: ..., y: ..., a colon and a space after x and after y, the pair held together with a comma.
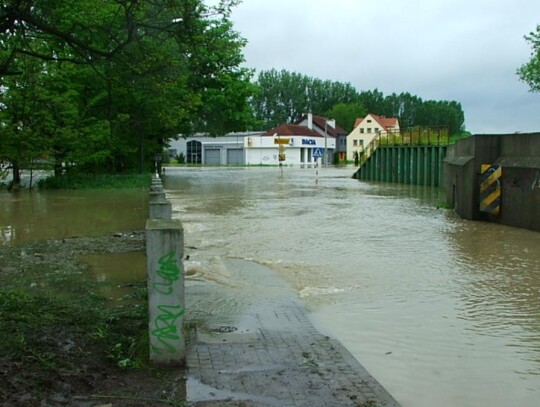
x: 168, y: 271
x: 166, y: 329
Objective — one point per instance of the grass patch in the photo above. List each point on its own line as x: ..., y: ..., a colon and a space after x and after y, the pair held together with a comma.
x: 54, y: 332
x: 55, y: 329
x: 97, y: 181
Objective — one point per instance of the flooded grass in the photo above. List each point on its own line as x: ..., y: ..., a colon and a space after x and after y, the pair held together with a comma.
x: 60, y: 336
x: 98, y: 181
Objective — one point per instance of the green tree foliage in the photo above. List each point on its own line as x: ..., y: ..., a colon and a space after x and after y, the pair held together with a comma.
x: 111, y: 83
x: 530, y: 72
x: 346, y: 114
x: 283, y: 97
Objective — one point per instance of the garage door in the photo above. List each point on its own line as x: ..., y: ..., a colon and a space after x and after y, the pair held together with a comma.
x: 211, y: 157
x: 235, y: 156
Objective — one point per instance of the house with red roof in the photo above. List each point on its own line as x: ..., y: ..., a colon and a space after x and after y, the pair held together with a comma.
x: 330, y: 129
x: 366, y: 129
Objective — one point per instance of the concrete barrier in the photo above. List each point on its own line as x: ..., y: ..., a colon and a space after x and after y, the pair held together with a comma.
x: 164, y: 253
x: 156, y: 196
x: 160, y: 209
x: 518, y: 155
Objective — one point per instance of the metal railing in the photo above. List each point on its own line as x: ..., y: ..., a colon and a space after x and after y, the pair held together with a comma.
x: 416, y: 136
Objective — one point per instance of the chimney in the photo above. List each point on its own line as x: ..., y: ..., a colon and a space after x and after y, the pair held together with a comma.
x: 331, y: 123
x: 310, y: 121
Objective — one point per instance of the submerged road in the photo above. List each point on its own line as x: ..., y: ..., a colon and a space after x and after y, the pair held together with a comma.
x: 271, y: 355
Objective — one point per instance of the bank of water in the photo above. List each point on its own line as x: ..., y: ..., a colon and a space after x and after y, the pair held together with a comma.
x: 440, y: 310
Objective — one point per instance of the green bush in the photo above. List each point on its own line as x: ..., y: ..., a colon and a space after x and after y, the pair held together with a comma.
x: 99, y: 181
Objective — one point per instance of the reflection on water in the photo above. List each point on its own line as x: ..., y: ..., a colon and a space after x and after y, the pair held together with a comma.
x: 441, y: 311
x: 120, y: 274
x: 36, y: 215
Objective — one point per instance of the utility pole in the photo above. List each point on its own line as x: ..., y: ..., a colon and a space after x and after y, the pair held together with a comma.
x: 325, y: 156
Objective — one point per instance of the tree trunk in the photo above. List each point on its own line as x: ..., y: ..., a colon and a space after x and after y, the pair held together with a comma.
x: 16, y: 182
x: 58, y: 168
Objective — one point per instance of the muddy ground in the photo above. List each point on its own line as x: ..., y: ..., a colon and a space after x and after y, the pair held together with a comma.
x: 62, y: 344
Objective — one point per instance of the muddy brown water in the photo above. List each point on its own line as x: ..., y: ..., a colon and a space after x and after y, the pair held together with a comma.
x: 29, y: 216
x: 442, y: 311
x: 35, y: 215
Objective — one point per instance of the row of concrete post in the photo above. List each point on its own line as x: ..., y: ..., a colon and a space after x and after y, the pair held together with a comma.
x: 164, y: 254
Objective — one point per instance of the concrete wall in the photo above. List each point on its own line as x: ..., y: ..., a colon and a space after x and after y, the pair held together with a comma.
x: 519, y: 157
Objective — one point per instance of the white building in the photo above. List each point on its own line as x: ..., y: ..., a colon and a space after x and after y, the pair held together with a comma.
x: 301, y: 146
x: 366, y: 129
x: 298, y: 146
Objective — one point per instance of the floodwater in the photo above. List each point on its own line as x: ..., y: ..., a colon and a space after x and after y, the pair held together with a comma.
x: 441, y: 311
x: 28, y: 216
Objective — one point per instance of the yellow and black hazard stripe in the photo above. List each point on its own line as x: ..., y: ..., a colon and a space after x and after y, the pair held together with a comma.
x: 490, y: 189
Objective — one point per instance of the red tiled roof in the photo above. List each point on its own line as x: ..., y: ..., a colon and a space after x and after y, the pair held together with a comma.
x: 385, y: 122
x: 319, y: 121
x: 292, y: 130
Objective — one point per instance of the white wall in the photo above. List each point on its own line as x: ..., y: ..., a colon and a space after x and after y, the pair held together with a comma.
x: 261, y: 150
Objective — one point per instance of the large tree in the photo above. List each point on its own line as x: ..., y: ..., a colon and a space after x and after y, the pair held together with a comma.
x: 128, y: 74
x: 530, y: 72
x: 346, y: 114
x: 283, y: 97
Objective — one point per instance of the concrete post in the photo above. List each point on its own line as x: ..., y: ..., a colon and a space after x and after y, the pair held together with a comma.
x: 160, y: 209
x: 156, y: 196
x: 164, y: 253
x: 156, y: 188
x: 156, y: 182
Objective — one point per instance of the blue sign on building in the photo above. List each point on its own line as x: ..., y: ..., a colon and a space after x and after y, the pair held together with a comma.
x: 308, y: 142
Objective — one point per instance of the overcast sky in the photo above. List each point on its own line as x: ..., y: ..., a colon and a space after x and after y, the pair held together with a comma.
x: 463, y: 50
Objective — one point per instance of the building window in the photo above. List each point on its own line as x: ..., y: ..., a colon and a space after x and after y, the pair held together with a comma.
x: 361, y: 130
x: 369, y: 130
x: 194, y: 152
x: 361, y: 143
x: 355, y: 143
x: 369, y: 121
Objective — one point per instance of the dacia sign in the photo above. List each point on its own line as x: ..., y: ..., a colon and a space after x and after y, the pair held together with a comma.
x: 306, y: 141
